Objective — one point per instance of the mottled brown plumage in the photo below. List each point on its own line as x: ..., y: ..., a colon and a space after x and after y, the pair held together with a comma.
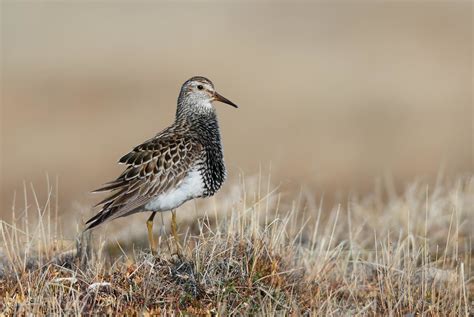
x: 182, y: 162
x: 153, y: 167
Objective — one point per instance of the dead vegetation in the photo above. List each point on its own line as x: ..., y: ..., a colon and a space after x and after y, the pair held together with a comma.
x: 405, y: 255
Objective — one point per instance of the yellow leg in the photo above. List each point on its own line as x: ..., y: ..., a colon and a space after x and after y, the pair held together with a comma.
x: 174, y: 231
x: 151, y: 241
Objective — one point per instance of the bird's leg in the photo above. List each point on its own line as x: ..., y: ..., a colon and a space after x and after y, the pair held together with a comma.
x: 174, y: 231
x: 149, y: 225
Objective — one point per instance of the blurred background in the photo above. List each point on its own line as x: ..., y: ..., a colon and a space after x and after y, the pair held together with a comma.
x: 332, y: 95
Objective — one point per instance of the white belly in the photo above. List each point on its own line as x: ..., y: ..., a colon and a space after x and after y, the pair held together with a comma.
x: 191, y: 187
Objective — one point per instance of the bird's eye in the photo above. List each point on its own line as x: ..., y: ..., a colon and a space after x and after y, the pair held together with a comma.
x: 200, y: 87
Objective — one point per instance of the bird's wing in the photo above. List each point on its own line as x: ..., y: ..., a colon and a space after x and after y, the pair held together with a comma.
x: 152, y: 168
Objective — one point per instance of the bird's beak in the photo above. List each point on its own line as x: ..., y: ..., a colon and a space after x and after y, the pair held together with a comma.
x: 224, y: 100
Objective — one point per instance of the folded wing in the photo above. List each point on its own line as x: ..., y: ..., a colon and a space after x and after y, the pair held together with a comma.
x: 153, y: 167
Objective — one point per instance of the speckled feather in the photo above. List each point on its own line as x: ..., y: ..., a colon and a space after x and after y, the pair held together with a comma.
x: 156, y: 167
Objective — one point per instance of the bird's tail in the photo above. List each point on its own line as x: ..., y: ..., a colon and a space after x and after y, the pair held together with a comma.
x: 98, y: 219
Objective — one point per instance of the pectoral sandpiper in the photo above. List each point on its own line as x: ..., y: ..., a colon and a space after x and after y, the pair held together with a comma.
x: 183, y: 162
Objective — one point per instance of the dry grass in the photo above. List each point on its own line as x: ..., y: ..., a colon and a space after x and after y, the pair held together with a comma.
x: 402, y: 254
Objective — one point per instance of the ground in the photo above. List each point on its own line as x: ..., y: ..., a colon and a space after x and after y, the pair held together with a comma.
x: 260, y: 253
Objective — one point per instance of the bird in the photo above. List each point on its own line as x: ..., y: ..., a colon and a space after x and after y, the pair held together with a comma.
x: 184, y: 161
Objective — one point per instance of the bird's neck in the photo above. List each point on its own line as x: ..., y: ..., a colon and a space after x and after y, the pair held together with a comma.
x: 201, y: 119
x: 189, y: 108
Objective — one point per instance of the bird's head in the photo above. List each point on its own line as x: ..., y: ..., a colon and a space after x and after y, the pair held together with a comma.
x: 197, y: 95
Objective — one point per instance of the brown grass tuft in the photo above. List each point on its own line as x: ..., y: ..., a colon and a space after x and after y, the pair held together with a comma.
x: 263, y: 255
